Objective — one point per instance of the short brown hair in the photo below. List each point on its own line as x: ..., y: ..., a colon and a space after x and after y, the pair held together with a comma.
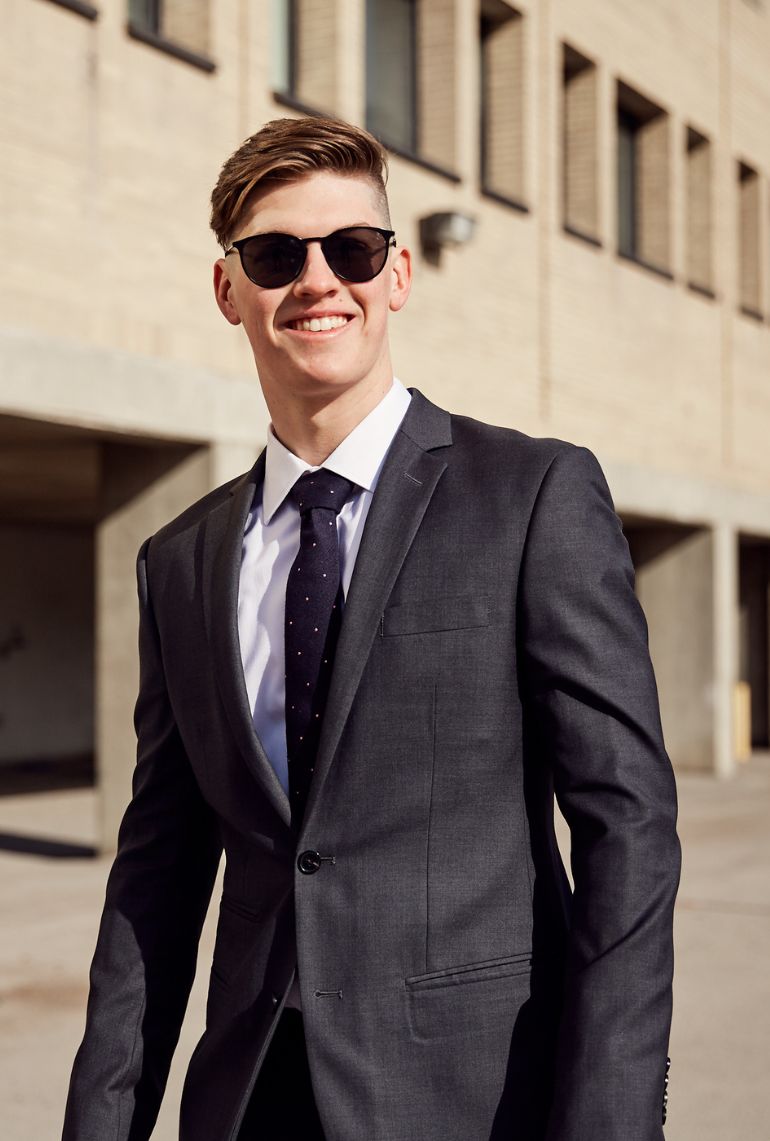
x: 285, y: 150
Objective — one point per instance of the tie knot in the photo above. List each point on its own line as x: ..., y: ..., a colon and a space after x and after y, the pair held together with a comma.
x: 320, y: 488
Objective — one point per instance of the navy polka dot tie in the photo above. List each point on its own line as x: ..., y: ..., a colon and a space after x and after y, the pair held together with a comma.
x: 312, y: 623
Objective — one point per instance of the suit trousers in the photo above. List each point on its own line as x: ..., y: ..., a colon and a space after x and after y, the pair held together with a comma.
x: 282, y: 1106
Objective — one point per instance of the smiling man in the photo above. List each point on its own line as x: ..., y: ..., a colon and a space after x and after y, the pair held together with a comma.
x: 366, y: 667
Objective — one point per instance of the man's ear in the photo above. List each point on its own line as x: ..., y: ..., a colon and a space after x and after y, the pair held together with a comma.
x: 401, y: 279
x: 223, y: 287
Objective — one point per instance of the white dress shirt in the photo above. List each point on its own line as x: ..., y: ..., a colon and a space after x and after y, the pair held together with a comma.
x: 271, y: 543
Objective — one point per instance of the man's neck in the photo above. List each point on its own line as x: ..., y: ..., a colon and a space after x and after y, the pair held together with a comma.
x: 312, y: 430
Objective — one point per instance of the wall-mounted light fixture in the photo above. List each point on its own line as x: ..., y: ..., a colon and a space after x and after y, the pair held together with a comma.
x: 449, y: 228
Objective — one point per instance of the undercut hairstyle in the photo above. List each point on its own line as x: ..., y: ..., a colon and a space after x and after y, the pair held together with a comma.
x: 287, y: 150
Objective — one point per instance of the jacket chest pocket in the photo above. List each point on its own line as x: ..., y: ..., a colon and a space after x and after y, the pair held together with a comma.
x: 435, y: 615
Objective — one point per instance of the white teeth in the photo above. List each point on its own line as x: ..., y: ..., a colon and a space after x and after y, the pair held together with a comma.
x: 319, y: 324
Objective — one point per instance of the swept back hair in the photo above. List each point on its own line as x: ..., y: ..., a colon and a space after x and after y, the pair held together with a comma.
x: 285, y: 150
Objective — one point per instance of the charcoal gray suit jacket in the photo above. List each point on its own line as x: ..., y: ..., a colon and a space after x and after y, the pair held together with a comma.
x: 453, y: 989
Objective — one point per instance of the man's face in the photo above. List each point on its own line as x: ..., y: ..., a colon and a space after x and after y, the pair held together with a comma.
x: 294, y: 363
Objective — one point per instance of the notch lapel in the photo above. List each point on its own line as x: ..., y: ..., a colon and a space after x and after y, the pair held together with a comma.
x: 407, y: 482
x: 222, y: 564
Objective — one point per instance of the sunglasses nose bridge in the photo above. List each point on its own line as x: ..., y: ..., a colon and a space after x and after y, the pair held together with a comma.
x: 315, y: 266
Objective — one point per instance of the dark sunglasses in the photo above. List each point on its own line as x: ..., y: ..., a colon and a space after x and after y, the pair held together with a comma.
x: 356, y: 254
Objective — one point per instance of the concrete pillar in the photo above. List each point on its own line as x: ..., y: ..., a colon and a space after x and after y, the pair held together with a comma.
x: 162, y: 493
x: 687, y: 584
x: 118, y: 538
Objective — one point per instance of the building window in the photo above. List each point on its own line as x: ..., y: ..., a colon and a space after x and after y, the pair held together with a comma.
x: 410, y: 78
x: 698, y: 191
x: 179, y: 27
x: 643, y: 196
x: 146, y: 14
x: 749, y: 242
x: 580, y: 147
x: 304, y: 51
x: 391, y: 72
x: 501, y: 70
x: 282, y: 54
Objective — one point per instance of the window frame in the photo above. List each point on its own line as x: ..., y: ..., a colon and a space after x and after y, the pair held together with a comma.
x: 136, y: 30
x: 575, y: 63
x: 635, y: 114
x: 485, y: 27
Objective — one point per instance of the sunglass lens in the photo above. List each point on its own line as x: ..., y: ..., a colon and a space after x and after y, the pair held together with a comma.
x: 271, y: 260
x: 356, y: 254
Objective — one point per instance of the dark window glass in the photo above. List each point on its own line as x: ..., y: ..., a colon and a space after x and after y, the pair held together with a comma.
x: 145, y: 14
x: 391, y: 85
x: 486, y: 27
x: 627, y: 205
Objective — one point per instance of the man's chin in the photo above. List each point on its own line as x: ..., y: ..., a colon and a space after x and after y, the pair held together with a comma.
x: 327, y: 384
x: 322, y: 382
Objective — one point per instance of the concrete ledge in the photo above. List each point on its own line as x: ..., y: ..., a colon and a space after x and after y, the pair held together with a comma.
x: 107, y: 389
x: 683, y: 499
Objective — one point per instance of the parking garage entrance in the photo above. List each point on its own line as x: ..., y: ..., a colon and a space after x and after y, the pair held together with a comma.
x: 62, y: 490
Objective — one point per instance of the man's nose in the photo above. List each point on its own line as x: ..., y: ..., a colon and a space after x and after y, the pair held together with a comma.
x: 316, y: 276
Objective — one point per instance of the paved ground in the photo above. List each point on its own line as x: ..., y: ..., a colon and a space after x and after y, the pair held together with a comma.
x: 721, y: 1037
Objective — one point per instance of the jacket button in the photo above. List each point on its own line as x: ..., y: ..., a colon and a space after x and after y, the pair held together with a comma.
x: 308, y: 862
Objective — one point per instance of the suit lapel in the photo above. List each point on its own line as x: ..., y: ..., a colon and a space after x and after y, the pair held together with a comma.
x: 406, y: 484
x: 222, y: 564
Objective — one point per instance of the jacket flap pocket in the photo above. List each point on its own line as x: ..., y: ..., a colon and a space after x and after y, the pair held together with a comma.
x: 432, y: 615
x: 473, y: 972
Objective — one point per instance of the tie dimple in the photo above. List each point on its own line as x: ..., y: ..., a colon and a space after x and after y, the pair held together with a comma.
x: 312, y: 622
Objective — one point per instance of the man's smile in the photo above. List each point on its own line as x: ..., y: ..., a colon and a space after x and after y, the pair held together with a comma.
x: 319, y: 323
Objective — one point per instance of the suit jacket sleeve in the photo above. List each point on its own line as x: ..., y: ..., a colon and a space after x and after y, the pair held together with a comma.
x: 157, y: 895
x: 591, y: 701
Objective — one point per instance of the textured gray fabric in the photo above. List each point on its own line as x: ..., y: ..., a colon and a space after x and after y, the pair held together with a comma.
x: 492, y: 650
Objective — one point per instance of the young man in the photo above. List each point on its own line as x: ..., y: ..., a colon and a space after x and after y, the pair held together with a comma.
x: 365, y: 667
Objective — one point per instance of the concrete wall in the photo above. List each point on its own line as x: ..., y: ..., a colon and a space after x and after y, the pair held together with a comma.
x: 675, y: 585
x: 119, y: 536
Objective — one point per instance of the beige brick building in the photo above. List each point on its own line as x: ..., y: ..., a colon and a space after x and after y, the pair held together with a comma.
x: 614, y: 292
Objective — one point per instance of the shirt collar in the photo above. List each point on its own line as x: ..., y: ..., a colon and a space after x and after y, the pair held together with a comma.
x: 358, y: 458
